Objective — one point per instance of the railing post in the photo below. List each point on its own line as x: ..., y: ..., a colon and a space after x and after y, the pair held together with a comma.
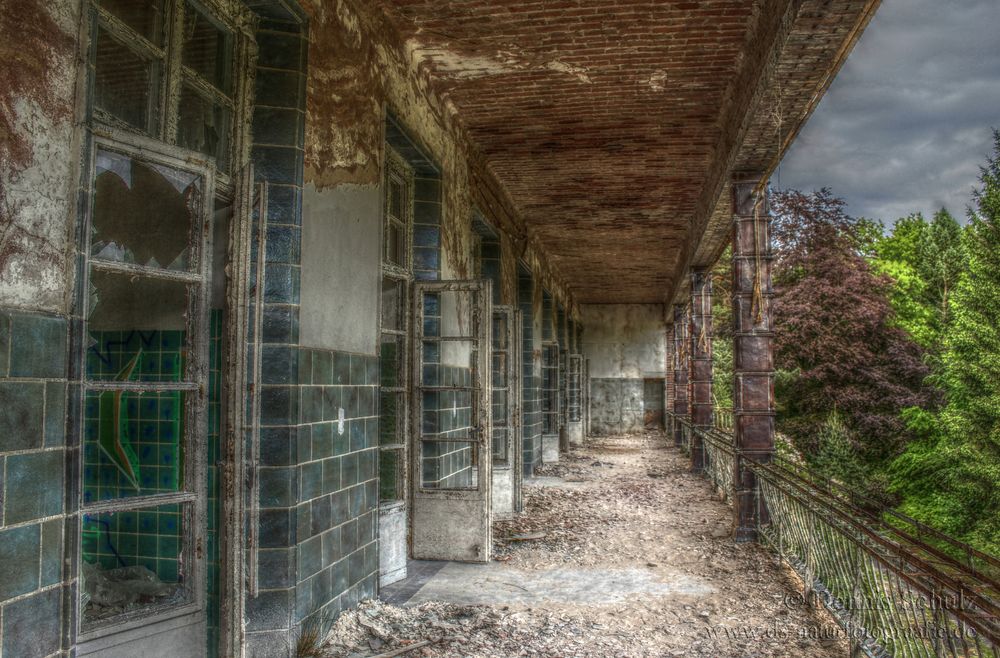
x: 701, y: 363
x: 753, y: 352
x: 680, y: 370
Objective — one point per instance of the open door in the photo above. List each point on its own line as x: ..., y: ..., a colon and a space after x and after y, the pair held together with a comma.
x: 451, y: 456
x: 506, y: 404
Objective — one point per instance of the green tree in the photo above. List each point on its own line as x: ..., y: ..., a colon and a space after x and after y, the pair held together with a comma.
x: 942, y: 261
x: 722, y: 333
x: 951, y: 478
x: 926, y: 260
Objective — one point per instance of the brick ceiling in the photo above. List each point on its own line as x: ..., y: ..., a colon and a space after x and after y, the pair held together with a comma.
x: 612, y: 123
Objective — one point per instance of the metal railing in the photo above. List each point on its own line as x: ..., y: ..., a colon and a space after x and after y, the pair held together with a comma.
x: 724, y: 419
x: 896, y: 586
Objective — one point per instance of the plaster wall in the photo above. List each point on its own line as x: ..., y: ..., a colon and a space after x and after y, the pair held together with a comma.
x: 625, y: 341
x: 39, y: 152
x: 625, y: 344
x: 341, y: 268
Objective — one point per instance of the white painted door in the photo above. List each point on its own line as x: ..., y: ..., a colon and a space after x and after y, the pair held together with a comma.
x: 451, y: 457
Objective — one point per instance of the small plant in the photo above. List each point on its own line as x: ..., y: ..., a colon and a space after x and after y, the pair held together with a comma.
x: 312, y: 635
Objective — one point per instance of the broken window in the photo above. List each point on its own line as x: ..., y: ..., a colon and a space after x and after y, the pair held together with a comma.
x: 143, y: 62
x: 448, y: 389
x: 144, y: 372
x: 151, y: 418
x: 394, y: 355
x: 501, y: 387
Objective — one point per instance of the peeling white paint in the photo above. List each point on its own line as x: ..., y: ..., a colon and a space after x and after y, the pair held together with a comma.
x: 33, y: 223
x: 577, y: 72
x: 658, y: 80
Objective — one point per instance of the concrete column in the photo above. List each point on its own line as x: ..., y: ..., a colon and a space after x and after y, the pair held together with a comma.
x: 753, y: 352
x: 701, y: 362
x: 680, y: 368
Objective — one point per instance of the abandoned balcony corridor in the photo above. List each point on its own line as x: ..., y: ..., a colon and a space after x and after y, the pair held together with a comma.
x: 307, y: 302
x: 621, y: 551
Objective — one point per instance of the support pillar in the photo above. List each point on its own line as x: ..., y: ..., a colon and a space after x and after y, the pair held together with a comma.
x: 680, y: 369
x: 753, y: 352
x: 701, y: 362
x: 668, y: 379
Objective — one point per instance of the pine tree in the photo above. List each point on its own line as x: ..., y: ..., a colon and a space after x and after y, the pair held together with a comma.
x: 951, y: 479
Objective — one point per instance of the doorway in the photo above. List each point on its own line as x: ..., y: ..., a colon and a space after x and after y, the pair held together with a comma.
x: 652, y: 403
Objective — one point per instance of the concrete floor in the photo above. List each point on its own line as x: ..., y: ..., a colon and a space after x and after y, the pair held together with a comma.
x: 496, y: 583
x: 627, y: 553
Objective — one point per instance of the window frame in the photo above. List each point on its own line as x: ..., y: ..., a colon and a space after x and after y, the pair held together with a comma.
x: 397, y: 168
x: 162, y: 123
x: 192, y: 491
x: 157, y: 142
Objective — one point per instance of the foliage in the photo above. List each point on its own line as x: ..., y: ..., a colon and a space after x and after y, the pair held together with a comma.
x: 835, y: 336
x: 926, y: 259
x: 951, y: 477
x: 722, y: 332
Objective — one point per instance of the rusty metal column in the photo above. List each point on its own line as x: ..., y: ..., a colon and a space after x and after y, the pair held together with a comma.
x: 680, y: 369
x: 668, y: 379
x: 753, y: 352
x: 701, y: 362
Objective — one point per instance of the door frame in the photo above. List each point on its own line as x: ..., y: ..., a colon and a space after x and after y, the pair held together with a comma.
x: 514, y: 461
x: 428, y: 505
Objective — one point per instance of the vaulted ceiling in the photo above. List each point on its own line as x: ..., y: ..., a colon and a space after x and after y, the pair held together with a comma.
x: 615, y: 124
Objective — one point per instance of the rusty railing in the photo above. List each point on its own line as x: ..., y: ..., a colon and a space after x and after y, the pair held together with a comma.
x: 896, y: 587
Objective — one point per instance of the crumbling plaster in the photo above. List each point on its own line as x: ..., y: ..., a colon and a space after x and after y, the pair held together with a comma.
x: 358, y: 65
x: 39, y: 152
x: 625, y: 341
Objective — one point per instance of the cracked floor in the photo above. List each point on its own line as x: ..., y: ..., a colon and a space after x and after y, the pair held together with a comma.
x: 620, y: 552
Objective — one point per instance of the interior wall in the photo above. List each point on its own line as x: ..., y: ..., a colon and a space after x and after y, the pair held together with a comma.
x: 625, y: 344
x: 341, y: 267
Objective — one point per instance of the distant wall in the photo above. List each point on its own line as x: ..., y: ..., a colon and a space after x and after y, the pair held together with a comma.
x: 625, y: 344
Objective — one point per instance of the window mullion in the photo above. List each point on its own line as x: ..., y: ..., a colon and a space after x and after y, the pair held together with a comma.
x: 127, y: 36
x: 172, y: 70
x: 204, y: 88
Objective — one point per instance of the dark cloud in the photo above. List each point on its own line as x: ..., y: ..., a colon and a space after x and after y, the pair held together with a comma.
x: 907, y: 123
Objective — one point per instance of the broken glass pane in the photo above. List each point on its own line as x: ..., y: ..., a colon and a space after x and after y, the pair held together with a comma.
x: 396, y: 196
x: 499, y: 445
x: 144, y: 213
x: 395, y: 243
x: 207, y: 48
x: 124, y: 83
x: 145, y: 17
x: 137, y: 318
x: 132, y: 560
x: 202, y: 126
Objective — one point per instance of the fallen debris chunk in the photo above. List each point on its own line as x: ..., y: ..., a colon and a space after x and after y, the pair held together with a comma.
x: 528, y: 536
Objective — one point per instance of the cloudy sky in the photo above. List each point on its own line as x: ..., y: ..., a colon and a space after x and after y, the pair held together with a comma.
x: 907, y: 123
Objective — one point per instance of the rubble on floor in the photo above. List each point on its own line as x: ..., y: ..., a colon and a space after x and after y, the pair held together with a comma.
x: 615, y: 505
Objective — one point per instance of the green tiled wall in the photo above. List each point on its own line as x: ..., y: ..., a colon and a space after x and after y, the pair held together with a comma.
x: 33, y: 402
x: 336, y: 473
